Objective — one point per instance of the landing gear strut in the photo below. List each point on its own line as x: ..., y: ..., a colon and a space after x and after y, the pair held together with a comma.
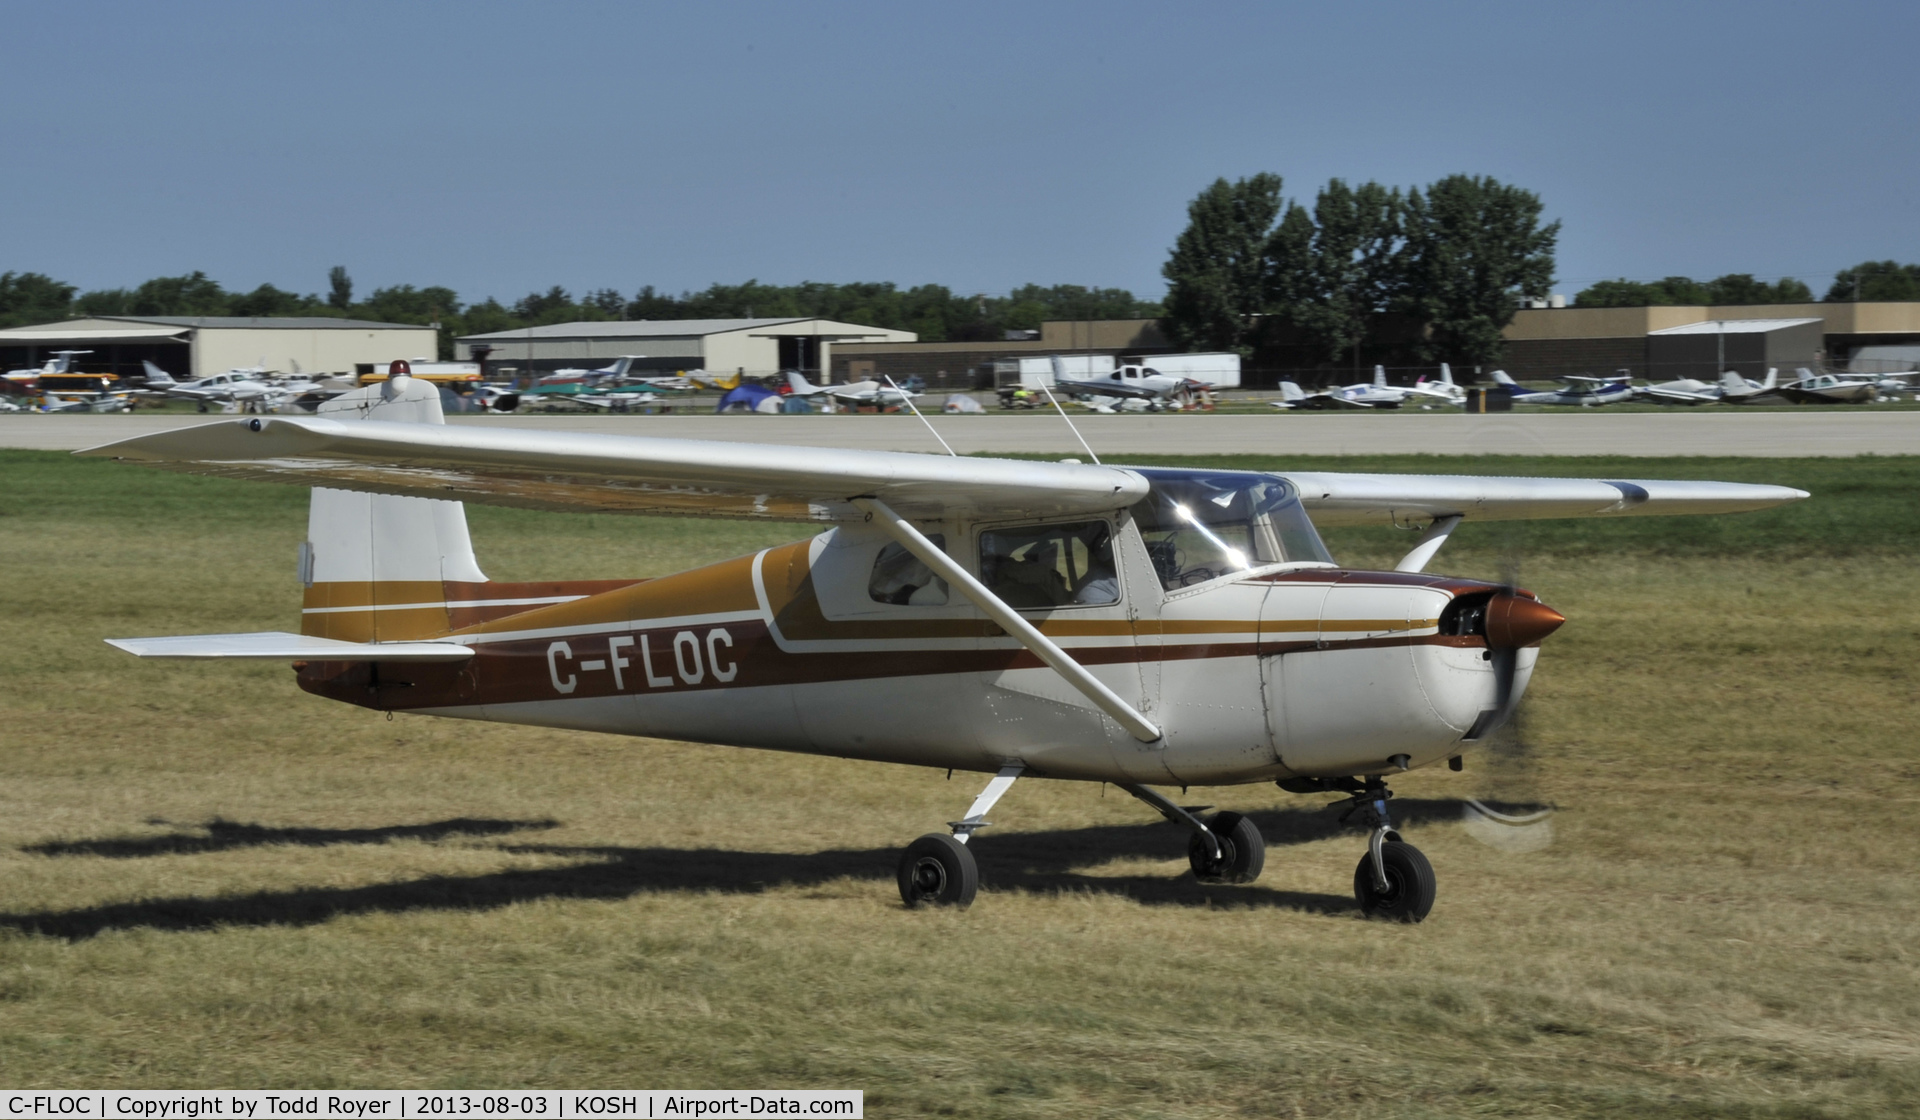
x: 1227, y: 849
x: 937, y: 869
x: 1394, y: 880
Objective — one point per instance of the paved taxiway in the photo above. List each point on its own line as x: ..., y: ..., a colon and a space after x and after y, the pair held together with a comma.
x: 1767, y: 434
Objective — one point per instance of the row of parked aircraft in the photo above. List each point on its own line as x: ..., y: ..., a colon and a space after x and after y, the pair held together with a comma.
x: 1732, y: 388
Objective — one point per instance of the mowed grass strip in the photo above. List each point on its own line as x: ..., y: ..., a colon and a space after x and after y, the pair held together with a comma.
x: 209, y: 878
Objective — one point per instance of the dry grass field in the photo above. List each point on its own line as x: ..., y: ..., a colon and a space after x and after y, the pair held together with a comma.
x: 209, y: 878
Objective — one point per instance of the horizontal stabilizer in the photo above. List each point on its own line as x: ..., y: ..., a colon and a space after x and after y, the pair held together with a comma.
x: 274, y: 646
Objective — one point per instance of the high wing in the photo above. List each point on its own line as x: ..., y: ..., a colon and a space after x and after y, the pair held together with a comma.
x: 624, y: 474
x: 1402, y: 499
x: 639, y: 474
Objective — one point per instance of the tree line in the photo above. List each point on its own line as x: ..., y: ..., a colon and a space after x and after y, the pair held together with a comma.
x: 1253, y: 270
x: 1867, y: 282
x: 1257, y: 273
x: 933, y: 311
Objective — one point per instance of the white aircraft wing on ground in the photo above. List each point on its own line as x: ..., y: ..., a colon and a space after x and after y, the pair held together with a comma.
x: 638, y: 474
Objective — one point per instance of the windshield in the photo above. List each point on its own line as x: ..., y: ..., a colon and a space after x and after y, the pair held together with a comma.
x: 1201, y: 525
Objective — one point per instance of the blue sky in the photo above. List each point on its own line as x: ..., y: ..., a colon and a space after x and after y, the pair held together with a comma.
x: 500, y: 148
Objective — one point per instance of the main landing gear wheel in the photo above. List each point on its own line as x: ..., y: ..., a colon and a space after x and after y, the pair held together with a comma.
x: 1242, y: 851
x: 938, y: 870
x: 1410, y: 885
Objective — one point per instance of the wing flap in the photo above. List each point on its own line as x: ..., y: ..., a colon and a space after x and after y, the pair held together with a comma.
x: 624, y: 474
x: 1380, y: 499
x: 276, y: 646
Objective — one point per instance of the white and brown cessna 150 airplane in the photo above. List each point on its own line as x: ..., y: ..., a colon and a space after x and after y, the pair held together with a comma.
x: 1145, y: 627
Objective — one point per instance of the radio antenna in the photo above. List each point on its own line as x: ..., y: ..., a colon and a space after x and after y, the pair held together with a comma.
x: 923, y: 419
x: 1070, y: 427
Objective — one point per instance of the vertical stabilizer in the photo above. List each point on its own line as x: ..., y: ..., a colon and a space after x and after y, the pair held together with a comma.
x: 379, y: 567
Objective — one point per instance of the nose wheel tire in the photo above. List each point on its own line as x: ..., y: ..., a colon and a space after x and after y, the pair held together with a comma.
x: 1242, y: 851
x: 938, y: 870
x: 1410, y: 885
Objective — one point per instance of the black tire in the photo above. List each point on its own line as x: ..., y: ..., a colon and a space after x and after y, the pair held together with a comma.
x: 1243, y: 853
x: 938, y: 870
x: 1410, y: 885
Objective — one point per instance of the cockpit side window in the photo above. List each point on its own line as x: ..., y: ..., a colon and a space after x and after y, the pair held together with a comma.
x: 1042, y: 566
x: 899, y: 577
x: 1202, y: 525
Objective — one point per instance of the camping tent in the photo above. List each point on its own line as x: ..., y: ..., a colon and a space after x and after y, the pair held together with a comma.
x: 748, y: 398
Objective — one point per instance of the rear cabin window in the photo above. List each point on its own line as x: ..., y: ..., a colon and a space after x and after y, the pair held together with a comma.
x: 1043, y: 566
x: 899, y: 577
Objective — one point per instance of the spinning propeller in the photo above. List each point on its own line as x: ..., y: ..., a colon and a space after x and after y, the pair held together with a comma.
x: 1511, y: 813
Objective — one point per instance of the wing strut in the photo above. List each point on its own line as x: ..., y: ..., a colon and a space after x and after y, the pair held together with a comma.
x: 1428, y: 545
x: 914, y: 541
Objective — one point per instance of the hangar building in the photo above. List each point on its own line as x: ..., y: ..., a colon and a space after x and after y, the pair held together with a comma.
x: 1749, y: 347
x: 197, y: 346
x: 753, y: 346
x: 1663, y: 343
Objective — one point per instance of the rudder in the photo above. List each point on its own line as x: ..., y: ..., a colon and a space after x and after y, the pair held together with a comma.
x: 378, y: 567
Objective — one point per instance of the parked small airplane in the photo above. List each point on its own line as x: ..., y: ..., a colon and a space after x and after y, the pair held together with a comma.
x: 1140, y: 626
x: 1735, y: 389
x: 1830, y: 388
x: 617, y: 374
x: 1443, y: 390
x: 858, y: 393
x: 1891, y: 383
x: 1575, y: 390
x: 1373, y: 394
x: 1133, y: 382
x: 1684, y: 390
x: 59, y: 361
x: 237, y: 390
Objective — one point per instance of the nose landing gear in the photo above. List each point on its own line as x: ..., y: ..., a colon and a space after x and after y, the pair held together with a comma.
x: 1394, y: 880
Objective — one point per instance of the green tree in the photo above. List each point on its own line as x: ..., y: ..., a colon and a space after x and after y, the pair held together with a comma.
x: 1616, y: 293
x: 537, y: 309
x: 1217, y: 275
x: 1736, y: 288
x: 1733, y: 289
x: 30, y: 297
x: 340, y: 288
x: 404, y: 303
x: 269, y: 300
x: 192, y: 294
x: 1333, y: 273
x: 486, y: 317
x: 605, y: 303
x: 1876, y: 282
x: 648, y: 304
x: 1475, y: 246
x: 104, y: 301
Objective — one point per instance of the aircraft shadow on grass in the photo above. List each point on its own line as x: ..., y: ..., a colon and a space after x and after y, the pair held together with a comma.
x: 221, y: 836
x: 1031, y: 861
